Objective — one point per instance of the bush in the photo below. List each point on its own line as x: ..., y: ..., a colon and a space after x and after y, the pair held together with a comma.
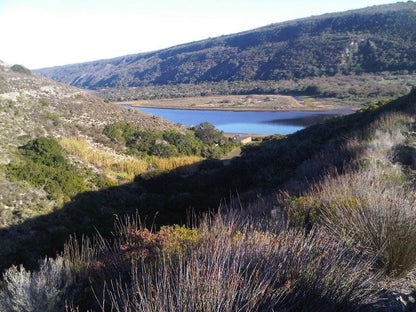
x: 141, y: 244
x: 204, y: 140
x: 45, y: 166
x: 374, y: 212
x: 20, y: 69
x: 45, y: 290
x: 185, y: 143
x: 236, y: 268
x: 120, y: 131
x: 228, y: 263
x: 55, y: 181
x: 208, y: 134
x: 46, y: 151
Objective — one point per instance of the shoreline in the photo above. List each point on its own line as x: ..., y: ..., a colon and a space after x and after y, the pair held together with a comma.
x: 243, y: 109
x: 253, y: 135
x: 240, y: 103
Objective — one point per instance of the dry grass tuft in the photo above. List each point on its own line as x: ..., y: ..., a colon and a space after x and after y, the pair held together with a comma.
x: 371, y: 210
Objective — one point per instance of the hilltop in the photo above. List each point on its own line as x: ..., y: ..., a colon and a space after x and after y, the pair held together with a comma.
x: 370, y: 40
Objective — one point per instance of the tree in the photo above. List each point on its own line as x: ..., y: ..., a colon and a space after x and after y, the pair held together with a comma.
x: 208, y: 134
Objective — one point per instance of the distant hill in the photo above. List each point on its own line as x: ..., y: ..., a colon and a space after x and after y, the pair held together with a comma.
x: 370, y: 40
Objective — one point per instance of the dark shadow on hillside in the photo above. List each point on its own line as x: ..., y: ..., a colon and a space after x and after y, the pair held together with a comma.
x: 159, y: 197
x: 260, y: 171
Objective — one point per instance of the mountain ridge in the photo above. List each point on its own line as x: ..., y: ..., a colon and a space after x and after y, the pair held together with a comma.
x: 372, y: 39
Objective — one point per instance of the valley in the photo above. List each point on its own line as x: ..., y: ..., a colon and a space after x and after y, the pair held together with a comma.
x: 108, y: 203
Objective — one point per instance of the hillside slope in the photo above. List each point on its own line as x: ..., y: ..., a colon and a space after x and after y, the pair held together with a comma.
x: 32, y: 106
x: 369, y: 40
x: 59, y: 144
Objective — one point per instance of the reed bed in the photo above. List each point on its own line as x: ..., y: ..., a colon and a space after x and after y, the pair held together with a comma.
x: 122, y: 166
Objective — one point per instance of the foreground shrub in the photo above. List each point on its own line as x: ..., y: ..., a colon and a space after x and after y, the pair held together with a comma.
x: 226, y: 264
x: 45, y: 290
x: 232, y: 269
x: 373, y: 210
x: 142, y: 244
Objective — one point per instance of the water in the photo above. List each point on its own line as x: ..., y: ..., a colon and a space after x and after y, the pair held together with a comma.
x: 244, y: 122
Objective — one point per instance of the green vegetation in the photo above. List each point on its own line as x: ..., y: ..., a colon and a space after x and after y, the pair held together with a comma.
x: 45, y: 151
x: 320, y: 220
x: 45, y: 166
x: 324, y: 216
x: 359, y: 89
x: 203, y: 140
x: 20, y: 69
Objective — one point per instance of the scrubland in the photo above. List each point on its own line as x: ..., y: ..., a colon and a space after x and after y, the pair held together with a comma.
x: 341, y: 240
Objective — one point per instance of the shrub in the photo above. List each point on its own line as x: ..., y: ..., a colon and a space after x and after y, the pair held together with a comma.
x: 119, y: 131
x: 184, y: 143
x: 46, y: 151
x: 45, y: 166
x: 55, y: 181
x: 204, y: 140
x: 44, y: 290
x: 171, y: 240
x: 236, y: 268
x: 20, y: 69
x: 226, y: 264
x: 208, y: 134
x: 375, y: 212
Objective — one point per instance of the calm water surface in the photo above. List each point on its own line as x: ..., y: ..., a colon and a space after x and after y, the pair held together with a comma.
x: 244, y: 122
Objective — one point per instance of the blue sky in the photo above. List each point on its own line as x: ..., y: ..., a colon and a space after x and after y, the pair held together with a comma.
x: 43, y: 33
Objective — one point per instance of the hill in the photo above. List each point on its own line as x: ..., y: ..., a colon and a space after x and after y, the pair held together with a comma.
x: 58, y: 142
x: 371, y: 40
x: 33, y: 107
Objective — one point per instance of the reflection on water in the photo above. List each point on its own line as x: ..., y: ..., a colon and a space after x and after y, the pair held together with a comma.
x: 304, y: 121
x: 245, y: 122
